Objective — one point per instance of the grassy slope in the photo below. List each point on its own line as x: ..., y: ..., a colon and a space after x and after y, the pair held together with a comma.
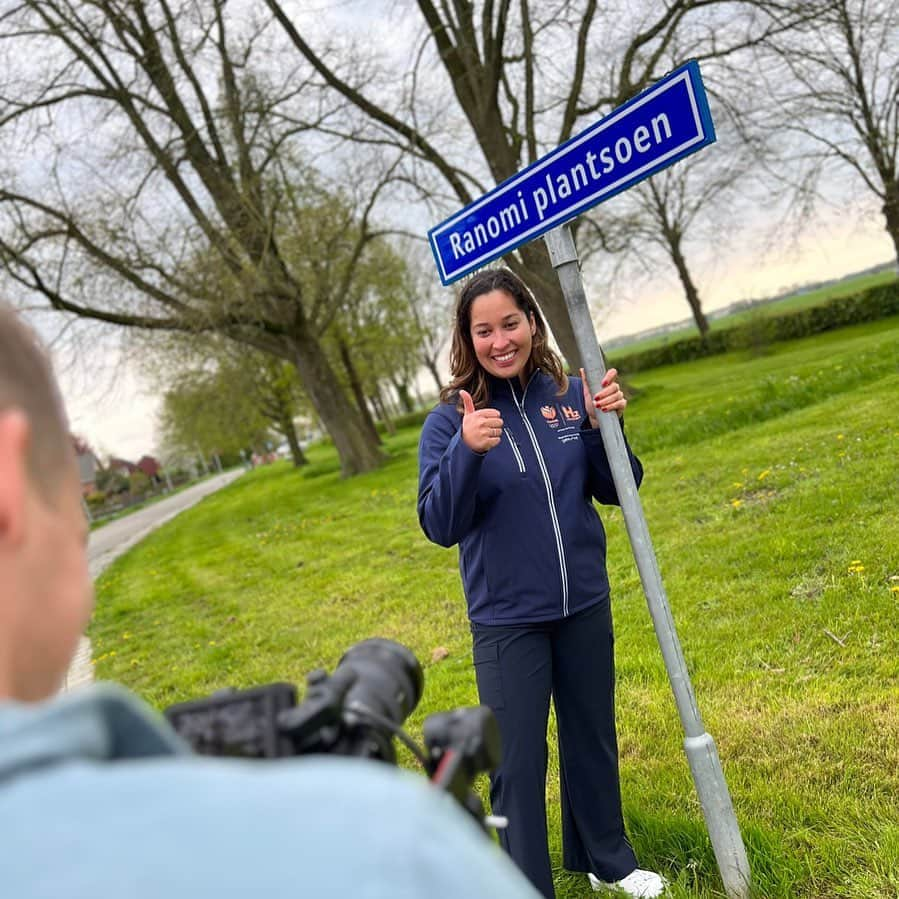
x: 770, y: 496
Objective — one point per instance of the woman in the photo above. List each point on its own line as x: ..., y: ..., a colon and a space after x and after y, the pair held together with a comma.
x: 509, y: 463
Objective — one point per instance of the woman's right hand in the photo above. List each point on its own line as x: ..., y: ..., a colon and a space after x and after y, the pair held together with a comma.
x: 481, y: 428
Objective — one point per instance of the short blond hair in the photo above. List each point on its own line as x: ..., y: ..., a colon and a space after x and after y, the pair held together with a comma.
x: 27, y: 384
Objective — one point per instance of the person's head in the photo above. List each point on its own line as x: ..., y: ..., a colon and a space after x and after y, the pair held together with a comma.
x: 499, y: 331
x: 45, y: 588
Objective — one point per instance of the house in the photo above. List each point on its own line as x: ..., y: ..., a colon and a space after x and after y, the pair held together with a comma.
x: 122, y: 466
x: 88, y: 465
x: 150, y: 467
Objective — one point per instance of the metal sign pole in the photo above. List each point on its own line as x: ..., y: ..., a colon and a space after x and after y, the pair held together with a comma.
x: 699, y: 746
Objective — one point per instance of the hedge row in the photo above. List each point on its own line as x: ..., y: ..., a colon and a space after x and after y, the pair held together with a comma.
x: 407, y: 420
x: 868, y: 305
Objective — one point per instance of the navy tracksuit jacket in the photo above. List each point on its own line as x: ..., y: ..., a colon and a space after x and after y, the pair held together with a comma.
x: 531, y: 545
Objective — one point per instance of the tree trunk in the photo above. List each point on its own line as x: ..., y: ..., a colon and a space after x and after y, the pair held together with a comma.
x: 402, y: 392
x: 677, y: 257
x: 538, y: 273
x: 288, y: 429
x: 431, y: 366
x: 356, y: 387
x: 357, y: 450
x: 891, y: 213
x: 378, y: 402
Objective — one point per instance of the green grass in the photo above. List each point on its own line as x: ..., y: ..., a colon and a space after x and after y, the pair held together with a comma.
x: 792, y: 303
x: 771, y: 497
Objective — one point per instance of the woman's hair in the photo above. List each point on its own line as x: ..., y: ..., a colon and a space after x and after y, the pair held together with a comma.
x: 467, y: 373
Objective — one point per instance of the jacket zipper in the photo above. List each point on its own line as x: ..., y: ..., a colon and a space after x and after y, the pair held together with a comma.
x: 563, y: 567
x: 518, y: 457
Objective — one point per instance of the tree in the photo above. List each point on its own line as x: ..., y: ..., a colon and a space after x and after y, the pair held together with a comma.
x: 430, y: 307
x: 207, y: 412
x: 834, y: 83
x: 380, y: 338
x: 698, y: 198
x: 519, y: 80
x: 277, y: 391
x: 246, y: 392
x: 185, y: 157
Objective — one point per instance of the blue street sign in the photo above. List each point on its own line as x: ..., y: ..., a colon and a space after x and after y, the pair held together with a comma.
x: 666, y: 122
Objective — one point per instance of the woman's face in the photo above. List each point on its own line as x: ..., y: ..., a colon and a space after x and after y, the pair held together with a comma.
x: 502, y: 334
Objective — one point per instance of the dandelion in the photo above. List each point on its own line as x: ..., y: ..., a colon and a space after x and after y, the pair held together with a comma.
x: 839, y: 436
x: 894, y: 589
x: 736, y: 503
x: 764, y: 474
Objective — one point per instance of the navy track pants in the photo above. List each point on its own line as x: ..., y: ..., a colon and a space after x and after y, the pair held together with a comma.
x: 518, y: 668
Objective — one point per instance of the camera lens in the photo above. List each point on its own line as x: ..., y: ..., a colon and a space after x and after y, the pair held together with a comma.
x: 389, y: 679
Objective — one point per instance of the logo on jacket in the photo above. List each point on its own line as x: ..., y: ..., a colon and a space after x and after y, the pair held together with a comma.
x: 571, y: 414
x: 550, y: 416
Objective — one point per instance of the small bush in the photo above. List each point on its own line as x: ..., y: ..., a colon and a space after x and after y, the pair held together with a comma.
x: 407, y: 420
x: 411, y: 419
x: 139, y: 484
x: 95, y: 500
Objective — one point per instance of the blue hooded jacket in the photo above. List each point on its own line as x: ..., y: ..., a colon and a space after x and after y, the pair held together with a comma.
x: 531, y: 544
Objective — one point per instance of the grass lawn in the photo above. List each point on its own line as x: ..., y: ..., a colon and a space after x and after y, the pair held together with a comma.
x: 771, y: 496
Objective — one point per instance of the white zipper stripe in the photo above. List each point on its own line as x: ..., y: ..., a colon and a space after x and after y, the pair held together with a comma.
x: 549, y: 495
x: 515, y: 450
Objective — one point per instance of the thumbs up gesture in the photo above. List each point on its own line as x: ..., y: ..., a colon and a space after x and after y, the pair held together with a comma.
x: 481, y: 428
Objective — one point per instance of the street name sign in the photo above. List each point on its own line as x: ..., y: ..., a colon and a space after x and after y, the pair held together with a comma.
x: 656, y: 128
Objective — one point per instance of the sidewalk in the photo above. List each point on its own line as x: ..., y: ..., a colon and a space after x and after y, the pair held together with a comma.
x: 111, y: 541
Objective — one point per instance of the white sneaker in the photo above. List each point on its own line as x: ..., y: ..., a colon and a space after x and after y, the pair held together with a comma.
x: 638, y: 883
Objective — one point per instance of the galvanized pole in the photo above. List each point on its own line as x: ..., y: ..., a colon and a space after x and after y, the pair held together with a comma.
x: 699, y: 745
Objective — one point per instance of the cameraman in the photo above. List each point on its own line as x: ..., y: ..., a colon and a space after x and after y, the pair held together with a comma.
x: 99, y: 798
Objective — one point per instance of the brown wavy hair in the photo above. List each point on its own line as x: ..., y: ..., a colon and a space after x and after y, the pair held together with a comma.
x: 467, y: 373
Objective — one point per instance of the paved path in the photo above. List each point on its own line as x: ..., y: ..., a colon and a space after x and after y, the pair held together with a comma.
x: 109, y: 542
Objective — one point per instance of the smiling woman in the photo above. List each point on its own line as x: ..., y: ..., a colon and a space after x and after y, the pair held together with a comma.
x: 509, y: 465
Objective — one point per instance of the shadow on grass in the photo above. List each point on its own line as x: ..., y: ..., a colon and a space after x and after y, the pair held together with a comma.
x: 320, y: 469
x: 680, y: 849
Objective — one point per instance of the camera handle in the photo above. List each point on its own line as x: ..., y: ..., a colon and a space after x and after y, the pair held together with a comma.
x: 462, y: 744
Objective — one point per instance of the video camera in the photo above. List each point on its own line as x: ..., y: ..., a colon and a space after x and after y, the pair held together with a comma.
x: 356, y: 711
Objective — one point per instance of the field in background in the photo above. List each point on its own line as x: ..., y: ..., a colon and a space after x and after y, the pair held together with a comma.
x: 791, y: 303
x: 771, y: 497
